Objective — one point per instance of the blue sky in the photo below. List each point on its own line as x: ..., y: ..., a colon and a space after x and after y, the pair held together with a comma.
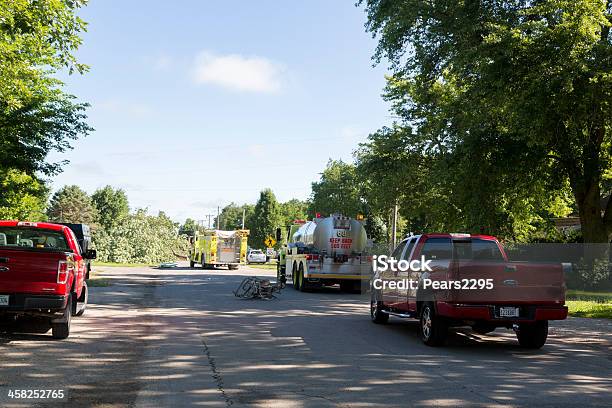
x: 200, y: 103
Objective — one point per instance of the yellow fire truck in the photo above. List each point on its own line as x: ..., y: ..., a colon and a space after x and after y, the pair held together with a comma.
x: 219, y: 248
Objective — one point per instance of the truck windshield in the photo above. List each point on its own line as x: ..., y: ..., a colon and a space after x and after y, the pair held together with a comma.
x: 34, y: 238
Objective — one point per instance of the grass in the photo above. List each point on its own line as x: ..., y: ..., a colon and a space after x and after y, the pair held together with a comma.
x: 600, y: 297
x: 590, y: 308
x: 263, y: 266
x: 117, y: 264
x: 95, y: 281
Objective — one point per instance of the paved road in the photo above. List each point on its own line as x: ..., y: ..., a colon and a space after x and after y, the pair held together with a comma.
x: 179, y: 338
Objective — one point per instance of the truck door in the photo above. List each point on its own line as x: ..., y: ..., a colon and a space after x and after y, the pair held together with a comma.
x: 389, y: 294
x: 403, y: 292
x: 440, y: 251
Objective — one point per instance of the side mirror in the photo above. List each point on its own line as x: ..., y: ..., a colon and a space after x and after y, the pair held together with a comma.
x: 90, y: 254
x: 279, y: 235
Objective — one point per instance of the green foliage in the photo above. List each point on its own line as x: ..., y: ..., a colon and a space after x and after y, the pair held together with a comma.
x: 510, y: 105
x: 141, y: 238
x: 189, y: 227
x: 23, y: 197
x: 293, y: 210
x: 36, y: 40
x: 265, y: 219
x: 112, y: 205
x: 337, y: 191
x: 231, y: 216
x: 71, y: 204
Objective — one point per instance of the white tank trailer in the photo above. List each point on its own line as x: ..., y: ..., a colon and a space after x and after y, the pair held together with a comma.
x: 328, y: 251
x: 334, y: 235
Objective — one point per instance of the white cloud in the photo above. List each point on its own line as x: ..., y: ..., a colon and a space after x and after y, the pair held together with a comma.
x: 238, y: 72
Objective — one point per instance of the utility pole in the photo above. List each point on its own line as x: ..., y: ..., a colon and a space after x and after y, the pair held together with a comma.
x: 209, y: 218
x: 243, y: 215
x: 218, y: 218
x: 394, y: 227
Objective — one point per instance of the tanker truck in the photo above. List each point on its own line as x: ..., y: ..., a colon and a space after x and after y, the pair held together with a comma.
x: 325, y: 251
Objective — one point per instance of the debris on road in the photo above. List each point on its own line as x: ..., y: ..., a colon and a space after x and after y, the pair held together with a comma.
x: 167, y: 265
x: 257, y: 288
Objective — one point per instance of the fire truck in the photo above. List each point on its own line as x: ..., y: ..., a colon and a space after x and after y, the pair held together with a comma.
x: 326, y: 251
x: 218, y: 248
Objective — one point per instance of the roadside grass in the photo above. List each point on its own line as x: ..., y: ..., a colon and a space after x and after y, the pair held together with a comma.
x: 95, y: 281
x: 600, y: 297
x: 589, y: 308
x: 118, y: 264
x: 263, y: 266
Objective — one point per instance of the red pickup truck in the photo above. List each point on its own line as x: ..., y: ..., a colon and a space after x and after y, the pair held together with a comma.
x: 467, y: 280
x: 42, y: 274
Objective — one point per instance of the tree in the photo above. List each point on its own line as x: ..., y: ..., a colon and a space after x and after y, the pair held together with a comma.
x: 265, y: 218
x: 23, y: 197
x: 112, y: 205
x: 189, y: 227
x: 293, y: 210
x: 231, y: 216
x: 38, y: 39
x: 71, y: 204
x: 337, y: 191
x: 528, y: 81
x: 141, y: 238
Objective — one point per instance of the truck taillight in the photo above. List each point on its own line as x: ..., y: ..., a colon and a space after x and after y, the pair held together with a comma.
x: 63, y: 270
x: 311, y: 257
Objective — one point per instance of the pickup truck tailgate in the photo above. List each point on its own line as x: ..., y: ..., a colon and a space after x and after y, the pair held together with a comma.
x: 28, y: 271
x: 536, y: 283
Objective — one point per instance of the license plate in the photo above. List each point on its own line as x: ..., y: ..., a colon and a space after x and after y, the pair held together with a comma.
x: 4, y: 300
x: 508, y: 312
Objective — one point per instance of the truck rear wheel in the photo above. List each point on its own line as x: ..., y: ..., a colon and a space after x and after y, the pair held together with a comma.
x: 294, y: 277
x: 61, y: 330
x: 377, y: 314
x: 532, y: 335
x: 191, y: 264
x: 302, y: 283
x: 433, y: 328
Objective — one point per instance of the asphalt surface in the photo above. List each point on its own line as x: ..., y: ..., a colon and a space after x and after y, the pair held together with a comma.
x: 179, y: 338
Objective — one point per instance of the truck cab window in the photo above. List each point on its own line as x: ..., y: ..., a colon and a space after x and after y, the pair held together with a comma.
x: 411, y: 243
x: 398, y: 250
x: 438, y: 248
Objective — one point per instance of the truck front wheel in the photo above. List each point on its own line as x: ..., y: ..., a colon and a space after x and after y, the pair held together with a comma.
x: 434, y: 329
x: 377, y: 314
x: 532, y: 335
x: 61, y: 330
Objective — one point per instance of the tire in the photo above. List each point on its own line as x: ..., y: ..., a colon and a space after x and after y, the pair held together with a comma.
x: 281, y: 275
x: 433, y: 329
x: 191, y: 264
x: 294, y: 277
x: 302, y: 284
x: 350, y: 286
x: 61, y: 331
x: 203, y: 263
x: 232, y: 267
x: 377, y: 314
x: 532, y: 335
x: 83, y: 300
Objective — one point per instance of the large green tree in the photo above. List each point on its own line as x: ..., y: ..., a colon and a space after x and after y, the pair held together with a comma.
x: 37, y: 39
x: 112, y: 205
x: 231, y: 216
x: 265, y: 218
x: 528, y: 83
x: 72, y: 204
x: 337, y: 191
